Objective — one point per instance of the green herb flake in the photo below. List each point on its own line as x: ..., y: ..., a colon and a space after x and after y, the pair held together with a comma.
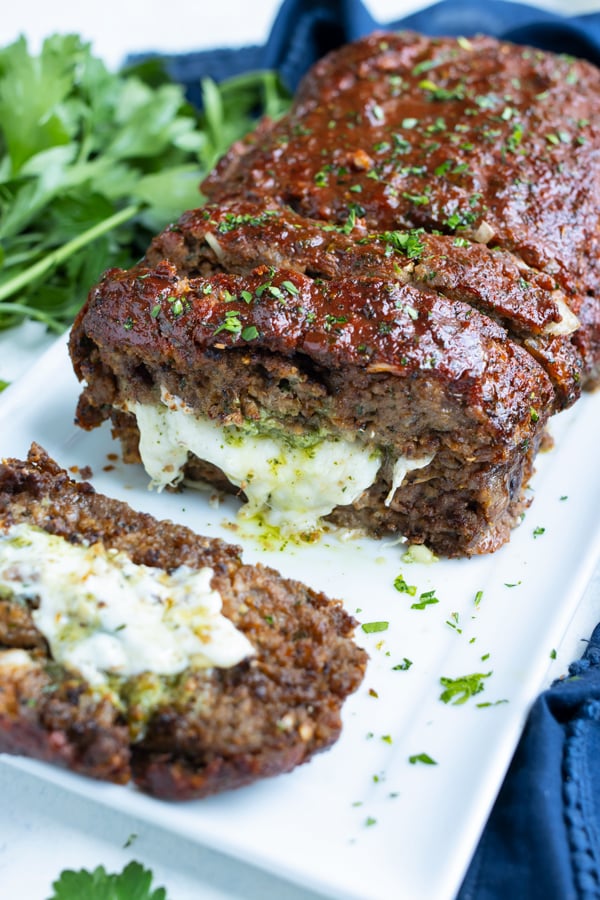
x: 453, y: 622
x: 458, y: 690
x: 3, y: 385
x: 416, y: 199
x: 155, y: 311
x: 404, y: 588
x: 427, y: 598
x: 290, y: 287
x: 424, y: 758
x: 250, y: 333
x: 373, y: 627
x: 538, y: 531
x: 403, y: 666
x: 553, y: 654
x: 407, y: 242
x: 231, y: 323
x: 369, y: 821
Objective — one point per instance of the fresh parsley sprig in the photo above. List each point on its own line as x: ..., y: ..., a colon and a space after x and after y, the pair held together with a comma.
x: 133, y: 883
x: 92, y: 163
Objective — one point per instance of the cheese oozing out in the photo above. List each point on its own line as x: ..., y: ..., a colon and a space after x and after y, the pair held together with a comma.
x: 103, y: 615
x: 288, y: 486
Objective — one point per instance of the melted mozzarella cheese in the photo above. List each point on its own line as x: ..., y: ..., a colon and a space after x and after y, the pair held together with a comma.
x: 104, y: 615
x: 402, y: 467
x: 289, y: 487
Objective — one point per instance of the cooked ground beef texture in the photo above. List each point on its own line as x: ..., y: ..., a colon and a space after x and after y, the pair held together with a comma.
x: 202, y: 731
x: 407, y: 262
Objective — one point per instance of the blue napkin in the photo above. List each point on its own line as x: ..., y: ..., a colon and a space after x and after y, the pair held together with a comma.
x: 543, y: 837
x: 305, y: 30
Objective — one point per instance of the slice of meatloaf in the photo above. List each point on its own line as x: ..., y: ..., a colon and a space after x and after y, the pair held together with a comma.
x: 391, y: 291
x: 184, y: 735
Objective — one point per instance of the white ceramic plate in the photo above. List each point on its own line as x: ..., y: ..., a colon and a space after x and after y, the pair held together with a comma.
x: 361, y: 821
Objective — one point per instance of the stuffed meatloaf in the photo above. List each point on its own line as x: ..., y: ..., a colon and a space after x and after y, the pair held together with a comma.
x: 134, y: 649
x: 388, y: 294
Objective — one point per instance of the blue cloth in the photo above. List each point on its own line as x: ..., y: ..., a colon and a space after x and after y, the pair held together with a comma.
x: 304, y: 30
x: 542, y: 841
x: 543, y: 836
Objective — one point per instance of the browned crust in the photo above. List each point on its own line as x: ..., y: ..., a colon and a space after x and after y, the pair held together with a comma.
x: 220, y: 728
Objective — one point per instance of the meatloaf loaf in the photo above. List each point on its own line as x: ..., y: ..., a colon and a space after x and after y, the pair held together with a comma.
x: 390, y: 292
x: 242, y: 677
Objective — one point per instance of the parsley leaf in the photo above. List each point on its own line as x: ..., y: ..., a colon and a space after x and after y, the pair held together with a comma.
x: 459, y: 690
x: 133, y: 883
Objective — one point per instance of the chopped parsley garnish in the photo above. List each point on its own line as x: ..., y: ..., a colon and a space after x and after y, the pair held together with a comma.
x: 427, y: 598
x: 424, y: 758
x: 440, y: 93
x: 407, y: 242
x: 372, y: 627
x: 404, y: 588
x: 538, y: 531
x: 416, y: 199
x: 458, y: 690
x: 404, y: 666
x: 231, y: 221
x: 453, y: 622
x: 230, y: 323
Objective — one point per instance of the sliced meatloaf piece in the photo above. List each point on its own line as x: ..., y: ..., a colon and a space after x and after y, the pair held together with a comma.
x: 180, y: 733
x: 389, y: 294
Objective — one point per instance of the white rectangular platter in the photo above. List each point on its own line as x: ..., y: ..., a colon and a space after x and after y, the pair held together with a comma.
x: 361, y: 821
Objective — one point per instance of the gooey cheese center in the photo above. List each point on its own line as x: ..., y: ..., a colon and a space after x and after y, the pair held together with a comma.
x: 289, y: 487
x: 104, y: 615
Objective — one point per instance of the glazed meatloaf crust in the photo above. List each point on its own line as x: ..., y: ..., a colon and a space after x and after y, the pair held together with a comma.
x: 198, y: 732
x: 390, y: 292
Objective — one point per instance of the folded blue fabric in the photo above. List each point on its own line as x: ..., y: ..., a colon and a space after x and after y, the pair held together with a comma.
x: 543, y: 837
x: 305, y: 30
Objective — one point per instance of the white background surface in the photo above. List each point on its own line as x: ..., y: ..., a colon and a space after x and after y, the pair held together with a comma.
x: 42, y: 828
